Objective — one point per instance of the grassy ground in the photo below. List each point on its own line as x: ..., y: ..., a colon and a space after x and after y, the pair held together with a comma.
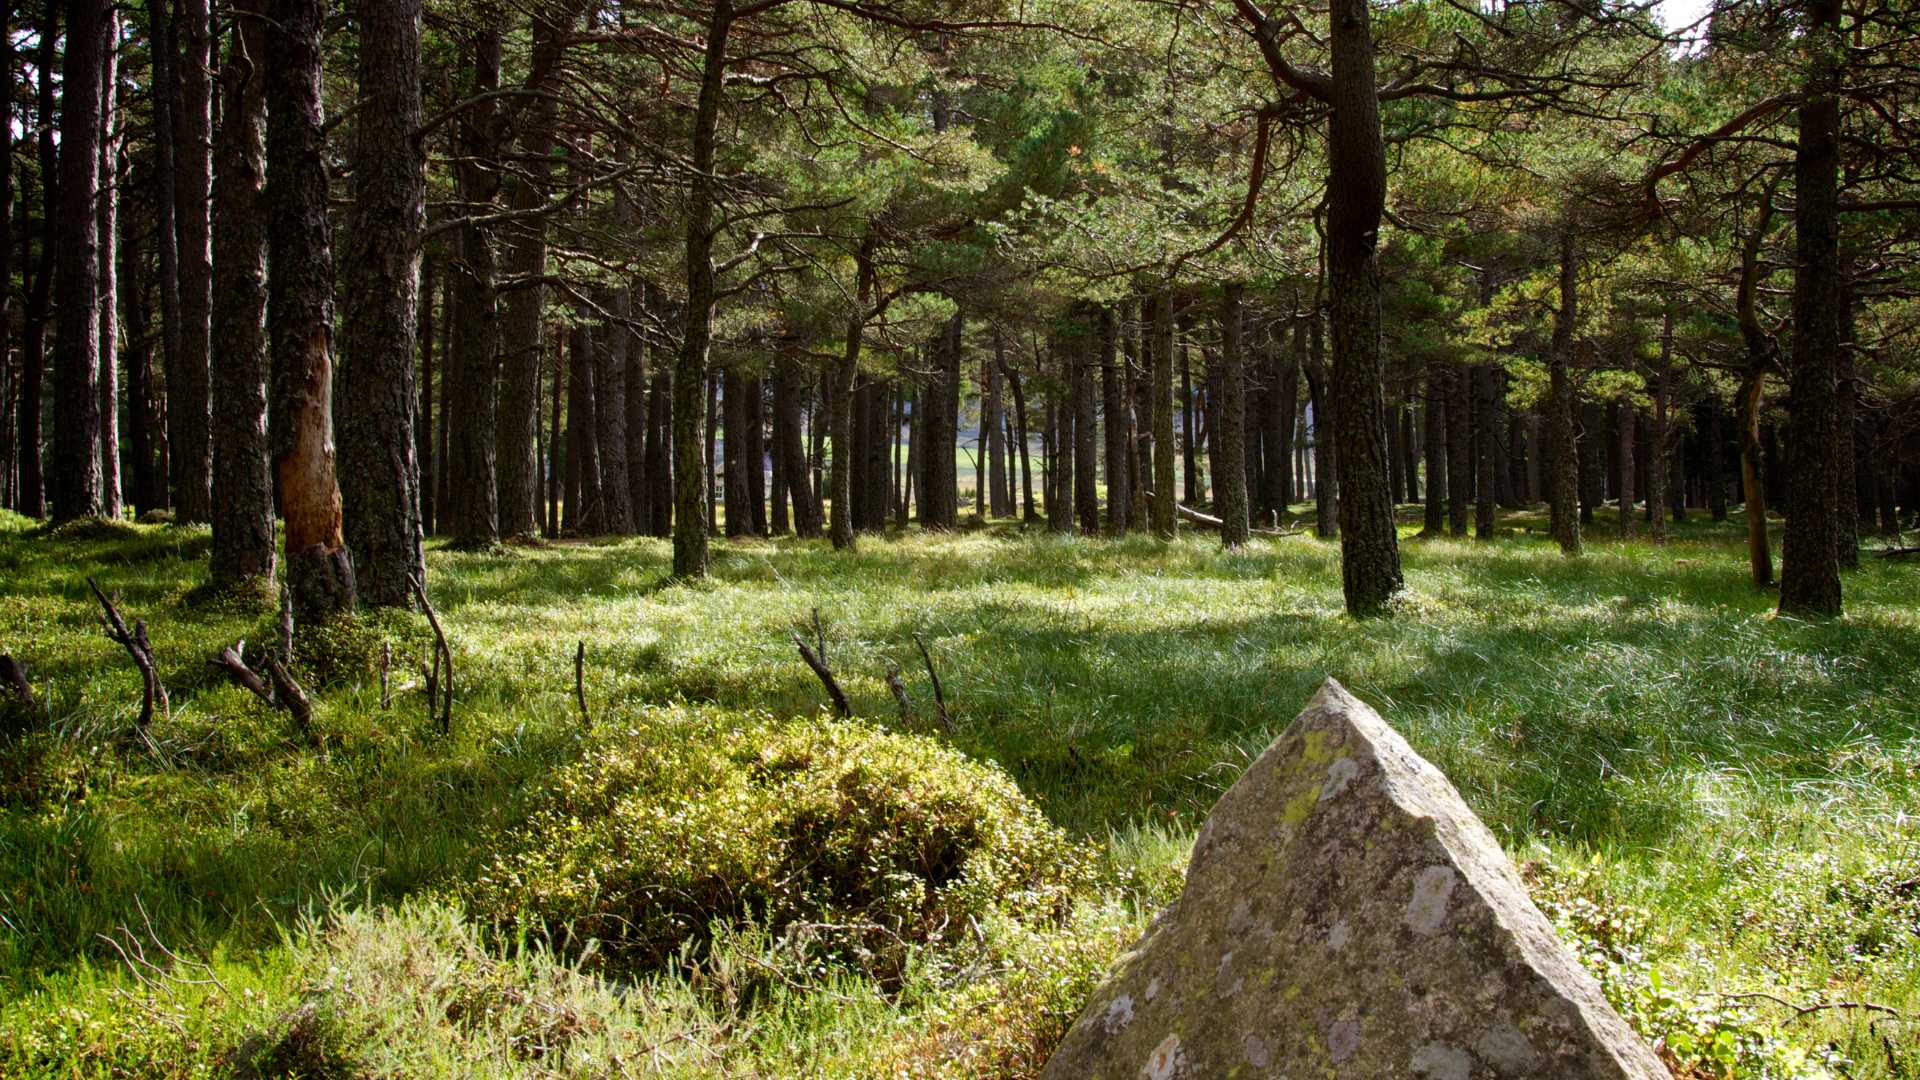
x: 1712, y: 802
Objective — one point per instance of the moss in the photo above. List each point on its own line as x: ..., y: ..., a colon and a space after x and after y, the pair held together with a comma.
x: 855, y: 845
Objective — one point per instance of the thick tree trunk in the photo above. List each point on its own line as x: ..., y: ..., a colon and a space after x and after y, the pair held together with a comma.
x: 788, y: 391
x: 583, y: 432
x: 163, y: 50
x: 30, y: 497
x: 1564, y: 493
x: 1230, y: 435
x: 1022, y: 440
x: 243, y: 555
x: 1809, y: 566
x: 74, y: 479
x: 610, y: 415
x: 1164, y: 448
x: 300, y: 315
x: 1114, y: 385
x: 1659, y: 474
x: 471, y: 497
x: 191, y: 395
x: 143, y: 422
x: 1459, y: 448
x: 754, y: 451
x: 733, y: 469
x: 992, y: 430
x: 939, y: 486
x: 1846, y: 488
x: 380, y: 476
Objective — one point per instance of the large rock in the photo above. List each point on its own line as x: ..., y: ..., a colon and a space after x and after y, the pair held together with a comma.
x: 1346, y: 916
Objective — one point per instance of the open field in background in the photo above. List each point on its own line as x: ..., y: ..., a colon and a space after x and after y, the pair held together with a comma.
x: 1711, y: 801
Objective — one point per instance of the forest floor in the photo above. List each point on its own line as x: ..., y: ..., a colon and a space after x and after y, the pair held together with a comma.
x: 1718, y: 807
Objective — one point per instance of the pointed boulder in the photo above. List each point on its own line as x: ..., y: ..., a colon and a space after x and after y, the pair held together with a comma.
x: 1346, y: 916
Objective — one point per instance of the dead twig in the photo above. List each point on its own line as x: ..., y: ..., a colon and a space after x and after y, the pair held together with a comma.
x: 442, y: 654
x: 825, y: 673
x: 386, y: 675
x: 232, y: 661
x: 939, y: 694
x: 137, y: 646
x: 292, y: 697
x: 580, y: 684
x: 899, y: 688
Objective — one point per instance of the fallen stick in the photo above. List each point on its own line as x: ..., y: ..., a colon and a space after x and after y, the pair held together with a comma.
x: 825, y: 673
x: 1208, y: 521
x: 231, y: 660
x: 580, y: 684
x: 291, y: 696
x: 939, y: 695
x: 443, y: 653
x: 137, y: 646
x: 286, y: 693
x: 14, y: 674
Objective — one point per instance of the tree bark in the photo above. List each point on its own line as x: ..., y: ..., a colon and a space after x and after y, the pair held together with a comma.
x: 163, y: 53
x: 1659, y: 478
x: 300, y: 315
x: 788, y: 390
x: 1486, y: 438
x: 243, y: 555
x: 470, y: 498
x: 423, y: 425
x: 610, y: 416
x: 191, y: 395
x: 1628, y: 435
x: 1459, y: 448
x: 108, y: 210
x: 380, y: 476
x: 1086, y: 439
x: 1230, y: 434
x: 74, y: 479
x: 639, y: 492
x: 1809, y: 566
x: 1436, y: 400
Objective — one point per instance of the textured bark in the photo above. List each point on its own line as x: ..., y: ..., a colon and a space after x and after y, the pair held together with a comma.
x: 733, y: 402
x: 754, y: 450
x: 556, y: 356
x: 108, y: 211
x: 1809, y: 567
x: 149, y: 488
x: 470, y: 498
x: 191, y: 395
x: 1022, y: 441
x: 73, y: 486
x: 423, y: 451
x: 380, y: 476
x: 162, y: 51
x: 639, y: 493
x: 583, y: 426
x: 1659, y: 474
x: 660, y: 462
x: 1325, y: 442
x: 992, y: 430
x: 1164, y: 448
x: 1564, y: 490
x: 610, y: 415
x: 300, y: 315
x: 522, y: 327
x: 1846, y: 493
x: 243, y: 553
x: 1230, y: 435
x: 875, y: 501
x: 1435, y: 406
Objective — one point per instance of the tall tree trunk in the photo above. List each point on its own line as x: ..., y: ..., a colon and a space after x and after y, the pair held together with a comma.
x: 163, y: 51
x: 1628, y: 435
x: 733, y: 470
x: 243, y: 556
x: 1114, y: 385
x: 300, y: 314
x: 1164, y: 447
x: 74, y: 479
x: 1023, y: 440
x: 1591, y: 449
x: 1439, y: 374
x: 1486, y: 437
x: 788, y: 391
x: 1369, y: 544
x: 108, y: 210
x: 639, y: 492
x: 754, y: 451
x: 1326, y: 445
x: 1809, y: 567
x: 471, y: 496
x: 992, y: 431
x: 1565, y: 489
x: 558, y: 358
x: 1659, y: 478
x: 522, y: 324
x: 1230, y: 435
x: 1193, y: 485
x: 783, y: 418
x: 31, y: 495
x: 939, y: 488
x: 1459, y: 448
x: 143, y: 422
x: 1086, y: 439
x: 660, y: 450
x: 423, y: 455
x: 193, y: 183
x: 380, y: 476
x: 1846, y: 493
x: 583, y: 430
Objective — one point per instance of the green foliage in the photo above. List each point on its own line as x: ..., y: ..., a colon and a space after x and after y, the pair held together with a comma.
x: 856, y: 845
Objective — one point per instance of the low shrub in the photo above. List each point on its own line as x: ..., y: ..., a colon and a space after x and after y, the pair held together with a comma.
x: 852, y: 845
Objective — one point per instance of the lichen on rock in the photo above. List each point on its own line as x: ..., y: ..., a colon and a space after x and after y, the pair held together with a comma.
x: 1347, y: 916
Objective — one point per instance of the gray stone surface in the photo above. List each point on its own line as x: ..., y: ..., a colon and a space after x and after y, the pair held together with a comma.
x: 1347, y: 916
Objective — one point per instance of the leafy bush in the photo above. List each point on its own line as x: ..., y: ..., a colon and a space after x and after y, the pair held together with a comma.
x: 853, y: 845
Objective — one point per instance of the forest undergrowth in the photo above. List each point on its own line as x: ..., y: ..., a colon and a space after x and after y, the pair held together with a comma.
x: 704, y: 872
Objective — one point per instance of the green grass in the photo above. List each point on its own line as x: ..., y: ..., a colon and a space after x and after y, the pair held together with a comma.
x: 1699, y: 789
